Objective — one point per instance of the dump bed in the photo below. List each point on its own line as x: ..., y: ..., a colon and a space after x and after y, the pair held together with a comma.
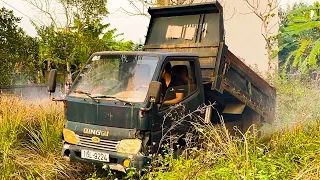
x: 199, y: 28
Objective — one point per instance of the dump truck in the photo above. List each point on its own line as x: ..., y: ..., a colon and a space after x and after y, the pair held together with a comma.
x: 117, y: 107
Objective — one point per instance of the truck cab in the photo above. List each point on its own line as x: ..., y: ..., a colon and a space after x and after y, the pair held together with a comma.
x: 115, y: 108
x: 122, y: 105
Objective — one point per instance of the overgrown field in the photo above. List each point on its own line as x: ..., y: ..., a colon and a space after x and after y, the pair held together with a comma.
x: 30, y: 144
x: 289, y: 149
x: 30, y: 141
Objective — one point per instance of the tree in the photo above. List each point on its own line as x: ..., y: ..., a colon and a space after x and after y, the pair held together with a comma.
x: 68, y: 10
x: 19, y: 60
x: 67, y: 47
x: 287, y: 43
x: 94, y: 36
x: 28, y: 69
x: 82, y: 11
x: 10, y: 39
x: 300, y: 39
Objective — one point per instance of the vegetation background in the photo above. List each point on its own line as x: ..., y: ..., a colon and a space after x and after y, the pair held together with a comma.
x: 30, y: 132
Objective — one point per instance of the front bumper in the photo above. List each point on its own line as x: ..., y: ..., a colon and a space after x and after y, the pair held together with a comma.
x: 139, y: 162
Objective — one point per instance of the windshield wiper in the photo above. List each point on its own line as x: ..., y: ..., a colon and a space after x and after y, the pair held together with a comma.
x: 86, y: 93
x: 101, y: 96
x: 113, y: 97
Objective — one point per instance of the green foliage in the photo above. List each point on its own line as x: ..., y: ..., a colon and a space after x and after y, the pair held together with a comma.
x: 68, y: 48
x: 300, y: 51
x: 287, y: 64
x: 312, y: 60
x: 26, y: 60
x: 86, y: 10
x: 296, y: 101
x: 19, y: 53
x: 28, y: 69
x: 47, y: 139
x: 298, y: 38
x: 10, y: 36
x: 30, y: 141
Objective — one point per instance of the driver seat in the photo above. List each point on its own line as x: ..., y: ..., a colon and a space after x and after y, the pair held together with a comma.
x: 181, y: 73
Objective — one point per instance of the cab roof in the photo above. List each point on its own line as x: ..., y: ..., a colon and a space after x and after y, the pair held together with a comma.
x: 145, y: 53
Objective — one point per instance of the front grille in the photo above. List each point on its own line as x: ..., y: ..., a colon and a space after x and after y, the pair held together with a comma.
x: 105, y: 145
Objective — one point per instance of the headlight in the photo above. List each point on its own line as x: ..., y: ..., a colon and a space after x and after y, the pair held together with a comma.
x: 70, y: 137
x: 129, y: 146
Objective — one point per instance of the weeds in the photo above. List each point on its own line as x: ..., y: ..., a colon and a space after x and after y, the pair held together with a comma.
x: 48, y: 139
x: 30, y: 141
x: 288, y: 149
x: 30, y: 144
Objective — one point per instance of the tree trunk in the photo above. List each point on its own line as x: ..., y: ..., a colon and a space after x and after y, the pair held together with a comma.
x: 68, y: 67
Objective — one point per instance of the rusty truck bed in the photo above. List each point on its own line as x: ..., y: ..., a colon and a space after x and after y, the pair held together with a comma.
x: 230, y: 80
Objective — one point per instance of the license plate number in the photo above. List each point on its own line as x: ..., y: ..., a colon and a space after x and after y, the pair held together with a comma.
x: 94, y: 155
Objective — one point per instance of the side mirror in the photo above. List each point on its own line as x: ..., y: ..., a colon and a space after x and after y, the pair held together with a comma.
x: 52, y: 80
x: 154, y: 91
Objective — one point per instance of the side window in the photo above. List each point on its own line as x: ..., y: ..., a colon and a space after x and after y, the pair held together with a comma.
x: 178, y: 82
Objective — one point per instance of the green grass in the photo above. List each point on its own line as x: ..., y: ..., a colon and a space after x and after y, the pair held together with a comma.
x: 30, y: 141
x: 289, y: 155
x: 30, y: 144
x: 288, y: 149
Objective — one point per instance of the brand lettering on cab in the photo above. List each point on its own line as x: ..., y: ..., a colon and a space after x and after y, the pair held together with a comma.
x: 95, y: 132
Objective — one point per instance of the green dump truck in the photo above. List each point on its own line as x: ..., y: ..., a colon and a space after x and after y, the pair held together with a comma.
x: 116, y: 106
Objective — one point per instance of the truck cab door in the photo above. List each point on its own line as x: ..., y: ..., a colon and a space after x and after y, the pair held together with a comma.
x: 172, y: 119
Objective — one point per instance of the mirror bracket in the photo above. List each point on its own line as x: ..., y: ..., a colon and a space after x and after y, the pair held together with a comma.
x: 153, y: 94
x: 152, y: 100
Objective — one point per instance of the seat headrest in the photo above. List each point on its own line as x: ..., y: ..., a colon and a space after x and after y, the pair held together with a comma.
x: 180, y: 69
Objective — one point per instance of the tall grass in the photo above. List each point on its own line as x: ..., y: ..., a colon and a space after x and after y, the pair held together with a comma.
x: 288, y: 149
x: 30, y: 141
x: 30, y: 144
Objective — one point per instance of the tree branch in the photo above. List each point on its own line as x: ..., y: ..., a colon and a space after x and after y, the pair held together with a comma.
x: 265, y: 17
x: 45, y: 10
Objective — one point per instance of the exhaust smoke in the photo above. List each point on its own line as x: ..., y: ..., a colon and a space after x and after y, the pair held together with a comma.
x: 32, y: 92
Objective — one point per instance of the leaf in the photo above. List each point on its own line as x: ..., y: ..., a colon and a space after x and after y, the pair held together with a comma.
x: 275, y: 53
x: 303, y: 46
x: 287, y: 62
x: 312, y: 60
x: 301, y: 11
x: 304, y: 68
x: 300, y: 27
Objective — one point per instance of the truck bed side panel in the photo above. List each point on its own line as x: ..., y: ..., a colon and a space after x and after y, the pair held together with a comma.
x: 246, y: 85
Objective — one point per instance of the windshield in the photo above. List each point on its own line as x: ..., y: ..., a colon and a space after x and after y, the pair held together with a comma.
x: 124, y: 77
